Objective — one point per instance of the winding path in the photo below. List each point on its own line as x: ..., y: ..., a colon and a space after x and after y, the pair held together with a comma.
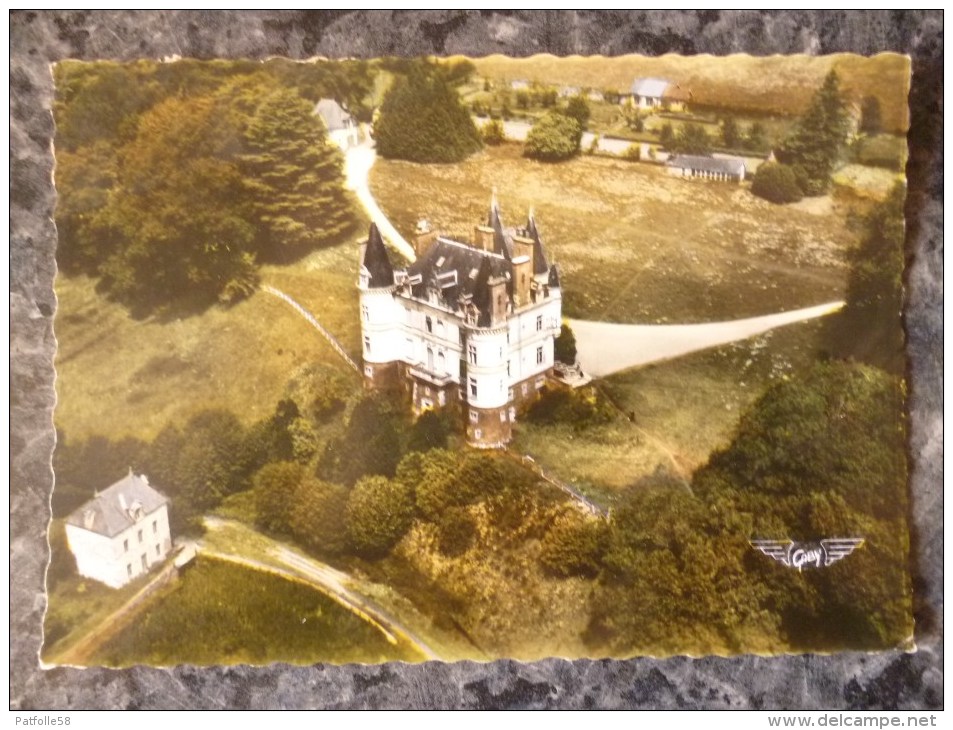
x: 358, y: 162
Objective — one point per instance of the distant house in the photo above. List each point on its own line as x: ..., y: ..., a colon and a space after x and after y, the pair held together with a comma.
x: 725, y: 169
x: 567, y: 91
x: 595, y: 95
x: 519, y: 84
x: 342, y: 129
x: 657, y: 93
x: 121, y: 533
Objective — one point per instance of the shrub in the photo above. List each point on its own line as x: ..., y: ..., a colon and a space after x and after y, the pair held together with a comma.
x: 565, y: 345
x: 554, y: 137
x: 379, y: 513
x: 456, y: 531
x: 492, y: 132
x: 574, y: 545
x: 776, y: 183
x: 581, y: 407
x: 633, y: 152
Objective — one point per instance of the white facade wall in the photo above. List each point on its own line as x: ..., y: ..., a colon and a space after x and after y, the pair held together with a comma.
x: 380, y: 328
x: 486, y: 367
x: 117, y: 560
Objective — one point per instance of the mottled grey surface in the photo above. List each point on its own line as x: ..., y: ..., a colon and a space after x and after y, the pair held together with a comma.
x: 888, y: 680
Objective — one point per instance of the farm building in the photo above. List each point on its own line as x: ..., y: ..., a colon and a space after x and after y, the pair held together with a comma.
x: 656, y: 94
x: 468, y: 325
x: 725, y: 169
x: 342, y: 129
x: 121, y: 533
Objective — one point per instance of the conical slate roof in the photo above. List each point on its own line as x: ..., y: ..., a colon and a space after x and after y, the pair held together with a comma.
x: 540, y: 264
x: 376, y: 261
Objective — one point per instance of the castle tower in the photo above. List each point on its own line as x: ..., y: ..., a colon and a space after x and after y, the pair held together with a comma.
x: 380, y: 315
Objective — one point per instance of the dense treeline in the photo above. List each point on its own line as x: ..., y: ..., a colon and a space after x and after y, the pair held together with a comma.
x: 818, y: 457
x: 175, y: 180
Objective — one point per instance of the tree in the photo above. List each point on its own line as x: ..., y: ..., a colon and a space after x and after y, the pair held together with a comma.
x: 318, y: 517
x: 370, y: 444
x: 493, y: 133
x: 776, y: 183
x: 295, y: 177
x: 819, y: 137
x: 874, y: 296
x: 871, y: 119
x: 276, y: 489
x: 565, y: 345
x: 421, y: 119
x: 692, y: 139
x: 757, y: 138
x: 574, y: 546
x: 432, y: 478
x: 666, y: 136
x: 730, y: 135
x: 554, y: 137
x: 379, y: 513
x: 180, y: 210
x: 578, y: 108
x: 430, y: 431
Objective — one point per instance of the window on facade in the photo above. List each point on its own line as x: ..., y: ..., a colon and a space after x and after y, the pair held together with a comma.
x: 471, y: 352
x: 525, y: 389
x: 367, y: 343
x: 509, y: 394
x: 474, y: 417
x: 155, y: 527
x: 473, y: 387
x: 125, y: 546
x: 129, y: 570
x: 368, y: 371
x: 508, y: 362
x: 539, y: 323
x: 365, y: 313
x: 140, y: 535
x: 478, y: 434
x: 539, y: 355
x: 429, y: 325
x: 145, y: 561
x: 158, y: 554
x: 502, y: 416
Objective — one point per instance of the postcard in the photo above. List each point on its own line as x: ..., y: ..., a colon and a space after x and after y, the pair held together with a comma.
x: 479, y: 358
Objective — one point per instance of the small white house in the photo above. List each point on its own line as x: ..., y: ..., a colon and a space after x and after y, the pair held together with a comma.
x: 121, y: 533
x: 342, y: 129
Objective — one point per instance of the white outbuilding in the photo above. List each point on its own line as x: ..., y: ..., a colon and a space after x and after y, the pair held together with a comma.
x: 121, y: 533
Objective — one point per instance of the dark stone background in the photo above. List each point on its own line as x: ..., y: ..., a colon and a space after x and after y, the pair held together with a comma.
x: 890, y: 680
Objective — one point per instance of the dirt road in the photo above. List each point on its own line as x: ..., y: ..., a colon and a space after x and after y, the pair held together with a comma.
x: 358, y: 162
x: 606, y: 347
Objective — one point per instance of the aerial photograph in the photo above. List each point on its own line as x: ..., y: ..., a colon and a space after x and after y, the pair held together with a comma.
x: 449, y: 358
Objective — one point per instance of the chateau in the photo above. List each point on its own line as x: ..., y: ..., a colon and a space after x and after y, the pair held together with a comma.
x: 467, y: 325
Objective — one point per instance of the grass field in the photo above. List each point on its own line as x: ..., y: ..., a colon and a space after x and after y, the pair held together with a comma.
x: 681, y: 410
x: 118, y: 376
x: 633, y: 243
x: 220, y: 613
x: 773, y: 85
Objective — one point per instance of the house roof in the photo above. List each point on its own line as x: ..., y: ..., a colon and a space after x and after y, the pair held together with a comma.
x: 652, y: 88
x: 334, y: 115
x: 461, y: 273
x: 115, y: 508
x: 724, y: 165
x: 375, y: 260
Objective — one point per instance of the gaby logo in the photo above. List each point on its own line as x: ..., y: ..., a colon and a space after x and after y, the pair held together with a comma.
x: 802, y: 555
